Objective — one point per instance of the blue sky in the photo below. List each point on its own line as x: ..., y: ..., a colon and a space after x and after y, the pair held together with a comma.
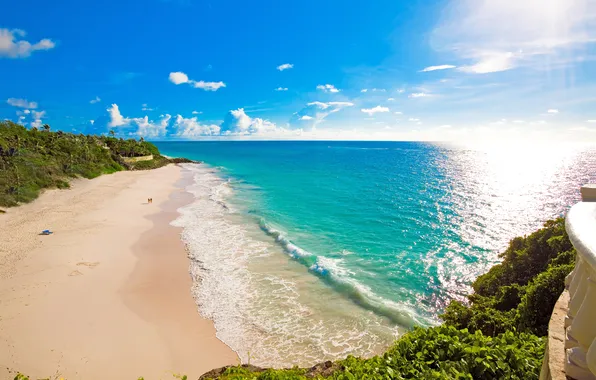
x: 385, y: 70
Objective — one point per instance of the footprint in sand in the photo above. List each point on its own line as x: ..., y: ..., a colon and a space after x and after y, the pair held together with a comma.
x: 88, y: 264
x: 75, y: 273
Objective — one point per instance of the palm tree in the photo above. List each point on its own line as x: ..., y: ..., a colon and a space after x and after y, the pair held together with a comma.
x: 112, y: 133
x: 46, y: 127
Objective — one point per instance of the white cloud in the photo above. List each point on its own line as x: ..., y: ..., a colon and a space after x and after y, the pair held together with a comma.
x: 208, y: 86
x: 241, y: 121
x: 435, y: 68
x: 364, y: 90
x: 285, y: 66
x: 96, y: 100
x: 91, y: 121
x: 327, y: 88
x: 144, y: 126
x: 371, y: 111
x: 116, y: 118
x: 491, y: 62
x: 398, y: 113
x: 237, y: 122
x: 315, y: 112
x: 197, y: 112
x: 590, y: 121
x: 341, y: 104
x: 378, y: 90
x: 390, y: 99
x: 499, y: 35
x: 281, y: 89
x: 418, y: 95
x: 330, y: 104
x: 150, y: 129
x: 192, y: 128
x: 12, y: 46
x: 37, y: 116
x: 413, y: 119
x: 318, y: 104
x: 26, y: 112
x: 178, y: 77
x: 553, y: 111
x: 22, y: 103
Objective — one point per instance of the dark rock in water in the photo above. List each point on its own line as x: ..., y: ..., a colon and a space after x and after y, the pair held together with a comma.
x: 182, y: 160
x: 323, y: 369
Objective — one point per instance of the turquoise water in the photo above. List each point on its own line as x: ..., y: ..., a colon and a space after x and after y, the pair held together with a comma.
x: 390, y: 230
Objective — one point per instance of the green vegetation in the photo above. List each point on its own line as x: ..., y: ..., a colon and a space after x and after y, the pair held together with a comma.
x: 32, y: 159
x: 520, y: 293
x: 434, y: 353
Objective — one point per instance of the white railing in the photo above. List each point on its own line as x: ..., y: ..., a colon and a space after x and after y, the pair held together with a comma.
x: 580, y: 323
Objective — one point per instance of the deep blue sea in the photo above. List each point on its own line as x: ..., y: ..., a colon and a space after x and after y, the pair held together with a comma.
x: 322, y: 249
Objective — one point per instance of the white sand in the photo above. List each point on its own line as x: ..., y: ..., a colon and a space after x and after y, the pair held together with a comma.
x: 107, y: 296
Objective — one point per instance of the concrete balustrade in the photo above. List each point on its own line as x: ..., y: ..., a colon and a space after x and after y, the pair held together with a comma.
x: 571, y: 345
x: 580, y: 322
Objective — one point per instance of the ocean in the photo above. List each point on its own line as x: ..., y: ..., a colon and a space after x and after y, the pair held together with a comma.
x: 307, y: 251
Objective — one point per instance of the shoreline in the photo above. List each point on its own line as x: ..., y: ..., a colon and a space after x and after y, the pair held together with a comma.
x: 103, y: 296
x: 158, y: 292
x: 273, y: 303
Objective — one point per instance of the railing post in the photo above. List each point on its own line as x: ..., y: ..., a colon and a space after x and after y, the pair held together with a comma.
x: 588, y: 193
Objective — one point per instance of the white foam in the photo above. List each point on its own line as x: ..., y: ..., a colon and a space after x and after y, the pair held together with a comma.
x: 262, y: 315
x: 219, y: 251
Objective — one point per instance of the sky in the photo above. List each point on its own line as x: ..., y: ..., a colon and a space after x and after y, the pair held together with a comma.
x: 418, y: 70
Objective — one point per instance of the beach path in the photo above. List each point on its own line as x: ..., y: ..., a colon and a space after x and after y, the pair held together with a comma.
x: 107, y: 295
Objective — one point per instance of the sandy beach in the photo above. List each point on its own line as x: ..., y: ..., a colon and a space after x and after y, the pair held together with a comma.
x: 107, y: 296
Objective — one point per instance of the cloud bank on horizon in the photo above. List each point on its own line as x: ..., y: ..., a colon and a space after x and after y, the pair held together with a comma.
x: 505, y: 68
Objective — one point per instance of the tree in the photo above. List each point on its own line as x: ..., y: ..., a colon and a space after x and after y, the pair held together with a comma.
x: 46, y: 127
x: 112, y: 133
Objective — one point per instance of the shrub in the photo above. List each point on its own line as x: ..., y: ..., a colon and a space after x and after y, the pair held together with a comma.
x: 432, y: 353
x: 521, y: 291
x: 542, y: 293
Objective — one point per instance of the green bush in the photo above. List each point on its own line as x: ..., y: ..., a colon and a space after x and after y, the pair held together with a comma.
x: 432, y: 353
x: 525, y: 258
x: 541, y: 295
x: 157, y: 162
x: 521, y: 292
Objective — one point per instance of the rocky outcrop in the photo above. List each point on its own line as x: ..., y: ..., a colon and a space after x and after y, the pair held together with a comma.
x: 322, y: 369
